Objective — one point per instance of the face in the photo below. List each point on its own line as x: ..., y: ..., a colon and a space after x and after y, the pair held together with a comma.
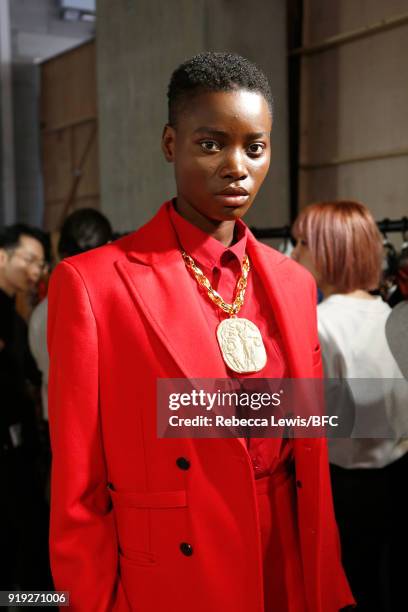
x: 221, y: 152
x: 302, y: 254
x: 21, y: 267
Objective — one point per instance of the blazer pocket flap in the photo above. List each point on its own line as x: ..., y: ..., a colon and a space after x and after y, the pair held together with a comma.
x: 160, y: 499
x: 137, y: 557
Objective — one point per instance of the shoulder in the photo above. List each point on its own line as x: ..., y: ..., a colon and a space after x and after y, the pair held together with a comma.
x: 328, y: 316
x: 152, y: 237
x: 282, y: 264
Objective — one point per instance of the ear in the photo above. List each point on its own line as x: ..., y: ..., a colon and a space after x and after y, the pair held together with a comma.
x: 168, y: 142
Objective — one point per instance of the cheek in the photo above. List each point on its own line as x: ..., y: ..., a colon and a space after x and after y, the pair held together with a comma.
x: 259, y: 171
x: 18, y: 273
x: 194, y: 170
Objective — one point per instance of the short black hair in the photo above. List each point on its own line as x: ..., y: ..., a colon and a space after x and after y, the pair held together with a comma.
x: 214, y: 71
x: 82, y: 230
x: 10, y: 236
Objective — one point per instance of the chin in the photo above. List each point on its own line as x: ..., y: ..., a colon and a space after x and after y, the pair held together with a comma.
x: 235, y: 212
x: 229, y: 215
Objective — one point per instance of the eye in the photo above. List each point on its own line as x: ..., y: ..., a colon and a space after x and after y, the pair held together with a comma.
x: 210, y: 146
x: 256, y: 149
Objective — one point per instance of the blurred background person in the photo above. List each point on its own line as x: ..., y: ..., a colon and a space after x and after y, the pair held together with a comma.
x: 84, y: 229
x: 339, y: 243
x: 396, y: 330
x: 23, y: 512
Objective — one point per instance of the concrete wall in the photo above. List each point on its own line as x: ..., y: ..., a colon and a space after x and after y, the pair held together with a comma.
x: 138, y: 46
x: 28, y: 183
x: 354, y: 104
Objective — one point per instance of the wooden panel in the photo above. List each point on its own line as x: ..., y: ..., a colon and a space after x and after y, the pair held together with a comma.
x: 68, y: 88
x: 85, y: 141
x: 69, y: 119
x: 57, y: 164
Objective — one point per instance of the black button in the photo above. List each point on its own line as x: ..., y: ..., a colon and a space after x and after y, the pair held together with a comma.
x: 183, y: 463
x: 186, y: 549
x: 299, y: 484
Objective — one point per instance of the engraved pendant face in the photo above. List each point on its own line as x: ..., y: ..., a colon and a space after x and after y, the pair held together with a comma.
x: 241, y: 345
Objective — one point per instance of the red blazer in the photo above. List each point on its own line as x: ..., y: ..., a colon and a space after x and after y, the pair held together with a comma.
x: 119, y: 318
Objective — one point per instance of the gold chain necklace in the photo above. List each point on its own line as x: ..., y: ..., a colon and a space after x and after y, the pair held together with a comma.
x: 231, y: 309
x: 240, y: 340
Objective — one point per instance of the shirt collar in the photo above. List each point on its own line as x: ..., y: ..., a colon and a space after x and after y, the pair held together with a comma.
x: 205, y: 249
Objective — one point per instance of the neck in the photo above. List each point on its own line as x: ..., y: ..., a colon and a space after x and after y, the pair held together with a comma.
x: 6, y: 287
x: 223, y: 231
x: 357, y: 293
x: 361, y: 294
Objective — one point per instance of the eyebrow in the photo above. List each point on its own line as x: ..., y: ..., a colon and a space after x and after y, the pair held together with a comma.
x: 214, y: 132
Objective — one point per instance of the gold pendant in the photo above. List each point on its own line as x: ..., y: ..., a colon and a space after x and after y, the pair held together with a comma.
x: 241, y: 345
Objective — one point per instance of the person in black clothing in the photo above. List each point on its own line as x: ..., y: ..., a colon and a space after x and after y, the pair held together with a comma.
x: 23, y: 512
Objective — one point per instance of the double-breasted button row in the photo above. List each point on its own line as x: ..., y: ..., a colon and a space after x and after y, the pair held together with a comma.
x: 186, y: 549
x: 183, y: 463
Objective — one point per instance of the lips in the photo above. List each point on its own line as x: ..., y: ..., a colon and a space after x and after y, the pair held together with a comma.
x: 233, y: 196
x: 233, y: 191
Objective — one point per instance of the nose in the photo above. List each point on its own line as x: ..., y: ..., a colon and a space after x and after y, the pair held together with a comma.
x: 34, y: 274
x: 234, y: 166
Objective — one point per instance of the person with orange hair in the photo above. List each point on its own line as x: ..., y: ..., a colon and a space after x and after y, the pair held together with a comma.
x: 339, y: 243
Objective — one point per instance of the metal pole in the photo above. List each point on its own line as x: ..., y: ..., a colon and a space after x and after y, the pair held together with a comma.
x: 7, y: 171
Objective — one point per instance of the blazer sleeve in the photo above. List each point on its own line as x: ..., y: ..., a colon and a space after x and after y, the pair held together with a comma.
x: 83, y: 546
x: 316, y: 345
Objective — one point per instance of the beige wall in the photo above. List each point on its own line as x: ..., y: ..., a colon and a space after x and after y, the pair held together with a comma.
x: 138, y: 46
x: 354, y: 104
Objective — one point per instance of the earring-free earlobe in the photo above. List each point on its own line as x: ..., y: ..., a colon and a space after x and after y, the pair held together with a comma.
x: 167, y: 142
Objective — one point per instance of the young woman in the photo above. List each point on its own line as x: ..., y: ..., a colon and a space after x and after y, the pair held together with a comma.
x: 341, y: 246
x: 146, y: 524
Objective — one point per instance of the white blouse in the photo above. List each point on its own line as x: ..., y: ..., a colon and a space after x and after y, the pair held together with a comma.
x: 354, y: 345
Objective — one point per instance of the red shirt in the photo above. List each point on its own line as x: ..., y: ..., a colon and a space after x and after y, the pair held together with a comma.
x: 222, y: 266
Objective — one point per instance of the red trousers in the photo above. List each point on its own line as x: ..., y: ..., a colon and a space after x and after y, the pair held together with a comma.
x: 283, y: 575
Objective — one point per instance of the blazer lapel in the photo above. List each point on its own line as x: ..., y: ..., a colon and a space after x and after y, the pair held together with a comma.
x: 283, y: 294
x: 158, y: 281
x: 167, y: 297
